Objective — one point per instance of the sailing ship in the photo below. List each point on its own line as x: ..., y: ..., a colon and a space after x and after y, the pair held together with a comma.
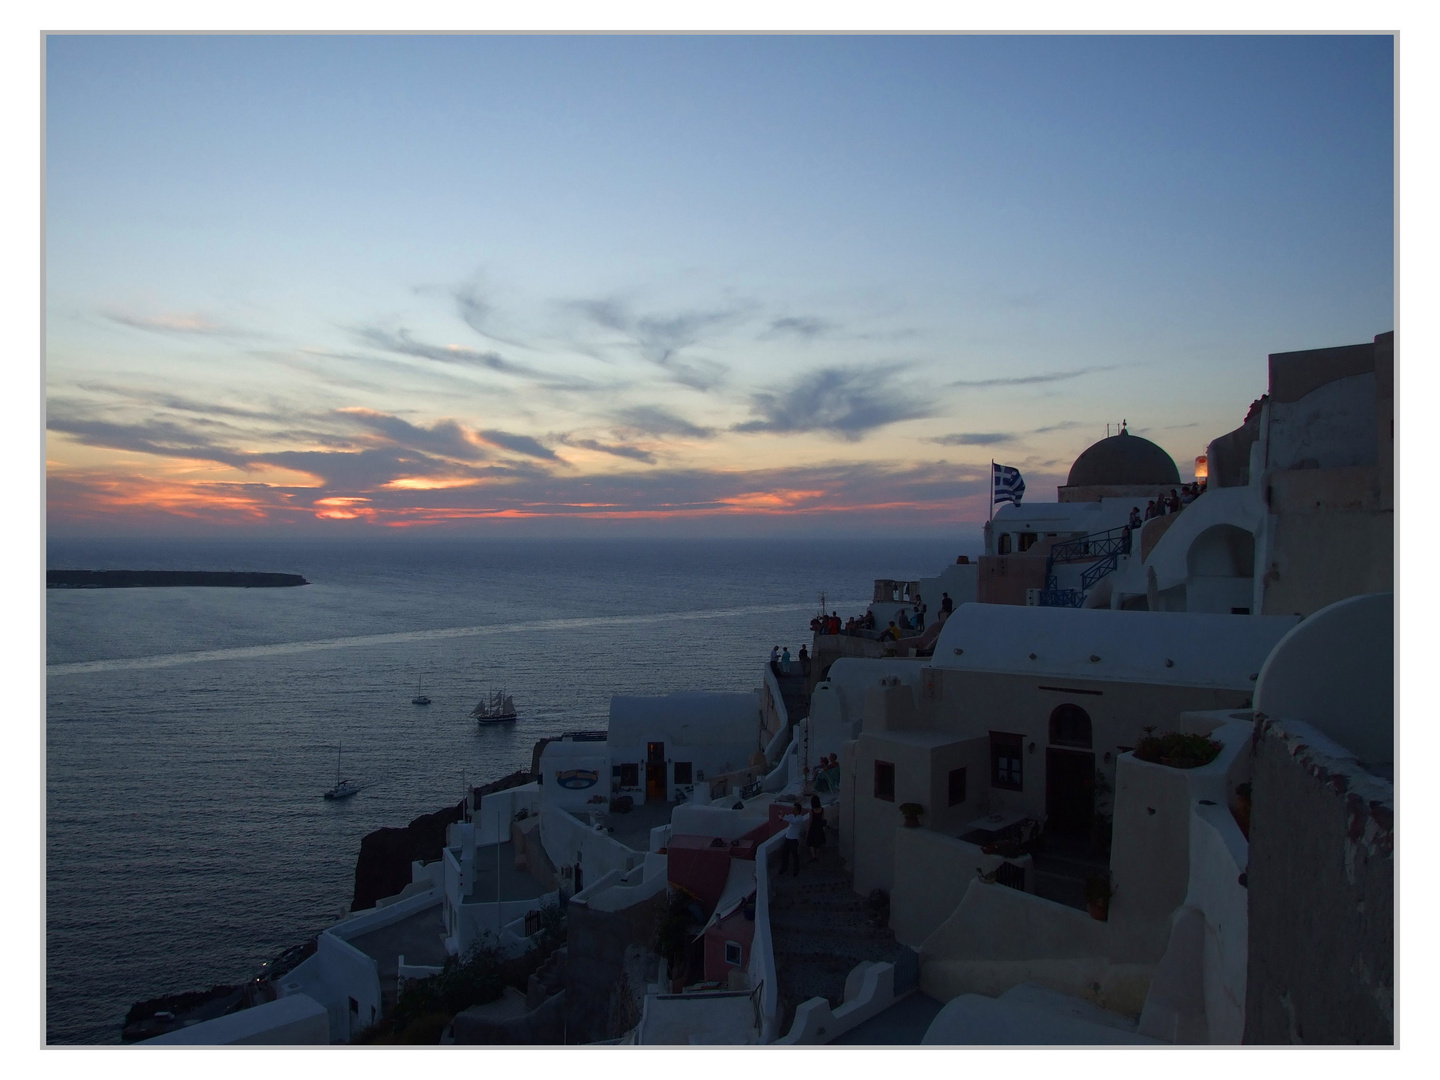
x: 498, y: 708
x: 343, y: 789
x: 419, y: 698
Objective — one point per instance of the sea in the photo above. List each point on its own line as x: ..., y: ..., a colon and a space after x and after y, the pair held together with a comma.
x: 191, y: 732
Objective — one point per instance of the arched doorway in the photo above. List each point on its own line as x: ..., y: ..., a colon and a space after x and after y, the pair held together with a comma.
x: 1069, y: 773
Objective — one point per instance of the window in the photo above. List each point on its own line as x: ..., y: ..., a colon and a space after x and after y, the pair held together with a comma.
x: 682, y: 772
x: 1005, y: 751
x: 733, y: 953
x: 957, y: 787
x: 629, y: 775
x: 1003, y: 548
x: 885, y: 781
x: 1070, y: 726
x: 1027, y: 541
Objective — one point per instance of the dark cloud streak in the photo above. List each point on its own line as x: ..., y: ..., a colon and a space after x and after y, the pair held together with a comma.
x: 846, y: 403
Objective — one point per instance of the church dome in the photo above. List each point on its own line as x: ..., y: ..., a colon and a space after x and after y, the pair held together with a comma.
x: 1124, y: 460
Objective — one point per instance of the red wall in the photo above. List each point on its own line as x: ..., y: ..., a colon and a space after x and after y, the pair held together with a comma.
x: 734, y: 927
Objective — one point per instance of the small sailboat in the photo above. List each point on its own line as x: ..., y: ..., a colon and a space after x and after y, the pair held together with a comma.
x: 343, y: 788
x: 419, y: 698
x: 498, y: 708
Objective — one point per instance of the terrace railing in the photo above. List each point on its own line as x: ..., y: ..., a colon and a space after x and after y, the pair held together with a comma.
x: 1103, y: 549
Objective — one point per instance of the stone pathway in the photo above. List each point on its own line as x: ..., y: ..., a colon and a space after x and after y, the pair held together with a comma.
x: 821, y: 930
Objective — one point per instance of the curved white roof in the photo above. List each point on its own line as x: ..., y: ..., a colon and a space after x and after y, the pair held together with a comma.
x: 1223, y: 651
x: 690, y: 719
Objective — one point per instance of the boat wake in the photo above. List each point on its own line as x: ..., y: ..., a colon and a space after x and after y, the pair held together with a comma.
x: 286, y: 648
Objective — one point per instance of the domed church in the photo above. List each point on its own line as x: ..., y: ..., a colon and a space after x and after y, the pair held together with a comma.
x: 1121, y: 466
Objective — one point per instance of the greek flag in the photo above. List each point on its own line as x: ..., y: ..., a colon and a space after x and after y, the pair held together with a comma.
x: 1007, y: 484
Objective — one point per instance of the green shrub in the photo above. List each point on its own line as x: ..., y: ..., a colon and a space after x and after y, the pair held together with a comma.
x: 1178, y: 749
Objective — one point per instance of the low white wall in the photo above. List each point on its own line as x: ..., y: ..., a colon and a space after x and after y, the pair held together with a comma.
x: 816, y: 1023
x: 349, y: 973
x: 475, y: 923
x: 1218, y: 856
x: 762, y: 948
x: 782, y: 775
x: 999, y: 938
x: 498, y: 810
x: 932, y: 873
x: 564, y: 836
x: 299, y: 1020
x: 617, y: 892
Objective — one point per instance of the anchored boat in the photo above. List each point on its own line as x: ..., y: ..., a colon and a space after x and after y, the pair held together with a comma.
x: 343, y: 789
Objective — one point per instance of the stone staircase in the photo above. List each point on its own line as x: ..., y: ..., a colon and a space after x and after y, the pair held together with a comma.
x: 795, y: 691
x: 821, y: 930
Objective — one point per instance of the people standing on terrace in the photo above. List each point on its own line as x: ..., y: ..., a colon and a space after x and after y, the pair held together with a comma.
x: 785, y: 661
x: 804, y: 657
x: 946, y: 604
x: 1135, y: 521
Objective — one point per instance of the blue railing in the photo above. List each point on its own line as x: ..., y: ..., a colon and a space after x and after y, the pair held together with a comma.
x: 1105, y: 548
x: 1092, y: 546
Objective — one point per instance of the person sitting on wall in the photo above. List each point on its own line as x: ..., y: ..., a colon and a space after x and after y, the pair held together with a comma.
x: 902, y: 621
x: 1150, y: 510
x: 946, y: 604
x: 892, y: 632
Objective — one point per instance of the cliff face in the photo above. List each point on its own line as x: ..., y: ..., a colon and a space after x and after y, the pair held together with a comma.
x: 383, y: 866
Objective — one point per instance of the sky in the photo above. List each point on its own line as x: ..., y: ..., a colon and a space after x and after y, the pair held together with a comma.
x: 485, y: 285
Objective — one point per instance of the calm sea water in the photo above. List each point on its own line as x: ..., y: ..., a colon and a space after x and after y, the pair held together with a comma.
x: 190, y: 732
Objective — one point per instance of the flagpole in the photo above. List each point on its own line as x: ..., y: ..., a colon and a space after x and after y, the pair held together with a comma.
x: 990, y: 513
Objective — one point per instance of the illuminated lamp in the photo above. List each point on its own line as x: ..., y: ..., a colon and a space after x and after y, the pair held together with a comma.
x: 1202, y: 467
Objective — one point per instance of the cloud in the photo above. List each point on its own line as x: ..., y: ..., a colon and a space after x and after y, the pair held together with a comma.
x: 479, y: 313
x: 519, y: 444
x: 402, y: 343
x: 445, y: 438
x: 159, y: 437
x: 1030, y: 380
x: 618, y: 450
x: 653, y: 420
x: 660, y: 338
x: 802, y: 326
x: 979, y: 439
x: 1063, y: 425
x: 846, y: 403
x: 177, y: 323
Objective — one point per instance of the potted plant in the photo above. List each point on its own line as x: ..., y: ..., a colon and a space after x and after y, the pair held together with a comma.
x: 912, y: 812
x: 1098, y: 891
x: 1178, y: 750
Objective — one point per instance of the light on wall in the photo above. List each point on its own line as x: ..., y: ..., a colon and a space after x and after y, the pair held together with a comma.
x: 1202, y: 467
